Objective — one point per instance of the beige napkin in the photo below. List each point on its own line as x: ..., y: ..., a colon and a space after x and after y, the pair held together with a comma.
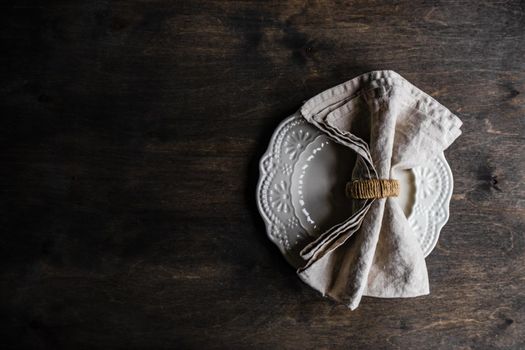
x: 390, y: 124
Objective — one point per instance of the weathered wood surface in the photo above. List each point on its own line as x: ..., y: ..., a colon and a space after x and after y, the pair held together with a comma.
x: 131, y: 135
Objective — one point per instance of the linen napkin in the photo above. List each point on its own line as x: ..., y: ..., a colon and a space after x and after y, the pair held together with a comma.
x: 390, y: 124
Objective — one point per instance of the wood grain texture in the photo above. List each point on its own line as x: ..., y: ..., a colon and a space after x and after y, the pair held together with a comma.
x: 131, y: 134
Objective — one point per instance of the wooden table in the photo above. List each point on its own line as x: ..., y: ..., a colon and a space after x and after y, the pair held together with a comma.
x: 132, y: 132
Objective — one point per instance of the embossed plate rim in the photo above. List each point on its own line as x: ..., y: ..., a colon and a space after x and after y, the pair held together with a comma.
x: 429, y: 238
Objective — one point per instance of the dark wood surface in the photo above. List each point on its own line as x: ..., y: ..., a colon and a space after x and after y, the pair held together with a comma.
x: 131, y: 134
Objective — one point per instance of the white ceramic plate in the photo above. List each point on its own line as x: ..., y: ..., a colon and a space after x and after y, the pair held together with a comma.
x: 301, y: 189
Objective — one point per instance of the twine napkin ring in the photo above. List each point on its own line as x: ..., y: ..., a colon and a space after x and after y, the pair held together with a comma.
x: 373, y: 188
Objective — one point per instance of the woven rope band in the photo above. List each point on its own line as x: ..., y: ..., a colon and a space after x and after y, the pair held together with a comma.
x: 373, y: 188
